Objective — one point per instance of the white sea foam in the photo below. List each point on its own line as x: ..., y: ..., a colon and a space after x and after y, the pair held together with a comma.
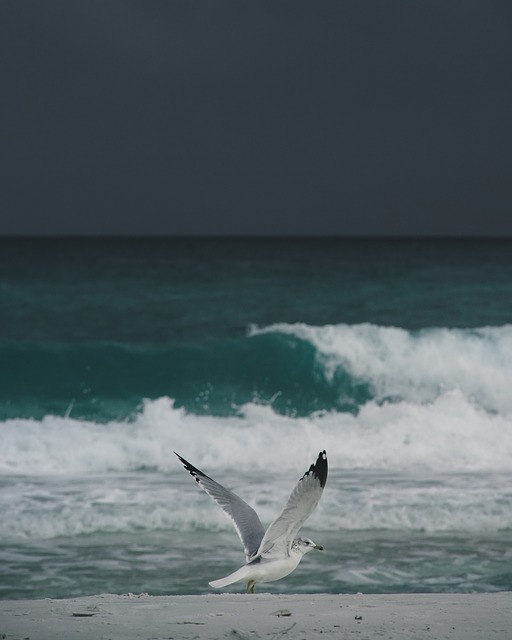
x: 415, y: 366
x: 449, y: 434
x: 131, y: 504
x: 64, y: 477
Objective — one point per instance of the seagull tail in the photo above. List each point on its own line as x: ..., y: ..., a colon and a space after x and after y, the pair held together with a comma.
x: 241, y: 575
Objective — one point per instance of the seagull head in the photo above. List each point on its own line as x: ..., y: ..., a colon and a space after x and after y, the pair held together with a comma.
x: 306, y: 544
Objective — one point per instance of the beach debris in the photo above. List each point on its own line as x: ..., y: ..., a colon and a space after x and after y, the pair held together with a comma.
x: 282, y: 613
x: 282, y: 633
x: 240, y: 635
x: 88, y: 612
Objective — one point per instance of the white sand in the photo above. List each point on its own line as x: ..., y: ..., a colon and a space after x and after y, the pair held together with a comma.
x: 249, y: 617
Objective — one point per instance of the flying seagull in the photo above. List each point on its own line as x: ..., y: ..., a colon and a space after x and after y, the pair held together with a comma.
x: 274, y: 553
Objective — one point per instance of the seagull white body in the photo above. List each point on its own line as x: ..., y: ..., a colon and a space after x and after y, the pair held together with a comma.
x: 268, y: 569
x: 276, y: 552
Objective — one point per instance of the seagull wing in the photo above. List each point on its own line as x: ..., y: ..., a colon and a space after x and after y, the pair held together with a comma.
x: 246, y: 520
x: 280, y: 535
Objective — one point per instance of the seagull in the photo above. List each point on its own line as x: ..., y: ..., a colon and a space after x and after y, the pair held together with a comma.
x: 274, y: 553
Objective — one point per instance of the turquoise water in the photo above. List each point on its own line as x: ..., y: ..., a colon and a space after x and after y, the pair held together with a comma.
x: 248, y: 357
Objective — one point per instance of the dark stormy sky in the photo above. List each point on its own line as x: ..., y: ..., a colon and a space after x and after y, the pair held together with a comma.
x: 265, y: 117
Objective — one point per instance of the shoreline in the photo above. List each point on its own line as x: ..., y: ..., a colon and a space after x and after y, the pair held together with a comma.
x: 250, y: 617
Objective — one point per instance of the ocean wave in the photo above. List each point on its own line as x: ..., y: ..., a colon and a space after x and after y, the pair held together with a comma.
x: 415, y: 366
x: 105, y: 381
x: 450, y: 433
x: 298, y: 369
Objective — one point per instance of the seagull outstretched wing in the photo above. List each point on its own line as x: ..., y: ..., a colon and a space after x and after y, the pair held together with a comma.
x: 246, y: 520
x: 280, y: 535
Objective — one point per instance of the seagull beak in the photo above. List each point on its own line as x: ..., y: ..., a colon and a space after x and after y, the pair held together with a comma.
x: 319, y: 547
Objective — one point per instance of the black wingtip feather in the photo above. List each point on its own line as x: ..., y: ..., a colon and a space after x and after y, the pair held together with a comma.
x: 196, y: 473
x: 319, y: 469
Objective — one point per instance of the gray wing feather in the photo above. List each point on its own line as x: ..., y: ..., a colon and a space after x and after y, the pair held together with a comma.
x: 246, y: 520
x: 281, y: 533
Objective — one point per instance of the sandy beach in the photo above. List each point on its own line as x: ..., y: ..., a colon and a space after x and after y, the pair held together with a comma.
x: 245, y: 617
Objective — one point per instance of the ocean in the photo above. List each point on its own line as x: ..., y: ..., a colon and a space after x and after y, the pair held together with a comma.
x: 248, y: 357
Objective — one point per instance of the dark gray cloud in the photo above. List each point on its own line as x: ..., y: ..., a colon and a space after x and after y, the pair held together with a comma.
x: 267, y: 117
